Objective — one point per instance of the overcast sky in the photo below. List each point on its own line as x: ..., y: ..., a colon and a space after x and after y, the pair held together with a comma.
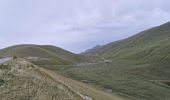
x: 77, y: 25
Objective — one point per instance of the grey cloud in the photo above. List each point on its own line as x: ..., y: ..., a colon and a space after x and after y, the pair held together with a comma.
x: 77, y: 25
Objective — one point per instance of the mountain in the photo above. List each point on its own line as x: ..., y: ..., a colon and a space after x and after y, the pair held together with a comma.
x: 139, y: 66
x: 22, y: 80
x: 44, y: 54
x: 149, y: 45
x: 93, y: 51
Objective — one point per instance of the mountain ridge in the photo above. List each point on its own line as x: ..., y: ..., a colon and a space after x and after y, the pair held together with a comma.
x: 44, y: 54
x: 138, y: 67
x: 149, y: 38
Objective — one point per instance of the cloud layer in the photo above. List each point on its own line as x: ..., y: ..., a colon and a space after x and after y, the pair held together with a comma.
x: 77, y: 25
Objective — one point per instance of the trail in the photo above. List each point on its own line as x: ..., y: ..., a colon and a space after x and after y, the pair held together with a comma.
x: 83, y: 90
x: 99, y: 62
x: 47, y: 74
x: 57, y: 78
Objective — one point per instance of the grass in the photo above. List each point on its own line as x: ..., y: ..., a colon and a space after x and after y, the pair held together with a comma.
x: 47, y: 54
x: 136, y: 62
x: 22, y: 80
x: 139, y: 69
x: 126, y: 80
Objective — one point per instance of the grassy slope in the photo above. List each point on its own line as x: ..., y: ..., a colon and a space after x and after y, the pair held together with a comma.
x: 139, y: 63
x: 153, y: 42
x: 54, y: 54
x: 69, y: 56
x: 25, y: 51
x: 23, y: 80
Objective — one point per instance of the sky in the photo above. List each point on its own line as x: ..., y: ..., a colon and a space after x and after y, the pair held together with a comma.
x: 77, y: 25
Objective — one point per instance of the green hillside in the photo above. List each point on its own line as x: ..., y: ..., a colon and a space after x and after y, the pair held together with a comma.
x: 44, y: 54
x: 139, y: 67
x: 22, y: 80
x: 149, y: 45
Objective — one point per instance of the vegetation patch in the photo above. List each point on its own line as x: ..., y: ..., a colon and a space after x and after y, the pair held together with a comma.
x: 2, y: 82
x: 166, y: 83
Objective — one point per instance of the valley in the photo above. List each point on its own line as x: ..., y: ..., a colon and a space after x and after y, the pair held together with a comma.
x: 84, y: 49
x: 135, y: 68
x: 135, y: 61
